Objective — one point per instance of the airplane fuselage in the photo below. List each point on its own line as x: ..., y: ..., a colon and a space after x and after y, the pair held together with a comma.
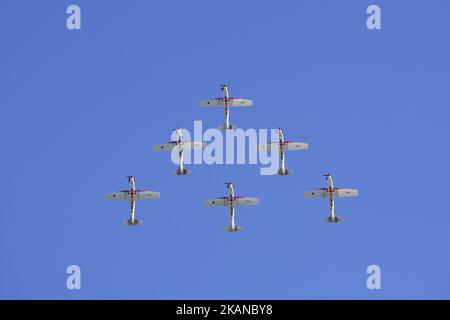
x: 230, y: 200
x: 226, y: 97
x: 281, y: 148
x: 330, y: 189
x: 179, y: 143
x: 132, y: 199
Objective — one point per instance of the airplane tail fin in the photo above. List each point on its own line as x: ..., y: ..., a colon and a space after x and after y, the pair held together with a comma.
x: 224, y: 127
x: 285, y: 172
x: 131, y: 223
x: 183, y: 172
x: 333, y: 220
x: 231, y: 228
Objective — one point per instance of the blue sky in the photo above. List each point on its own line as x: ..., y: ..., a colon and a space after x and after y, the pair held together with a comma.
x: 80, y: 110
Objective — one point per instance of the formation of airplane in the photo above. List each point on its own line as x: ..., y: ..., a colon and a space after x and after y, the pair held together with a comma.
x: 282, y: 146
x: 330, y: 192
x: 231, y: 201
x: 226, y: 102
x: 180, y: 145
x: 132, y: 195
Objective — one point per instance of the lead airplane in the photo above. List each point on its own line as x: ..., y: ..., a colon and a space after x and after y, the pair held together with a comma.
x: 331, y: 193
x: 226, y: 102
x: 132, y: 195
x: 181, y: 145
x: 282, y: 146
x: 231, y: 201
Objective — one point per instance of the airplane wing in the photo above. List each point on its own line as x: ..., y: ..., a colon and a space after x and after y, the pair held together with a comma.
x: 317, y: 193
x: 164, y: 147
x: 232, y: 102
x: 119, y: 195
x: 295, y: 146
x: 216, y: 202
x: 142, y: 195
x: 342, y: 192
x: 194, y: 145
x: 187, y: 145
x: 337, y: 192
x: 236, y: 102
x: 245, y: 201
x: 217, y: 102
x: 287, y: 146
x: 268, y: 146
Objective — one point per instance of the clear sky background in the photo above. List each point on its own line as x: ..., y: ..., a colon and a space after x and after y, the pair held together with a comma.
x: 80, y: 110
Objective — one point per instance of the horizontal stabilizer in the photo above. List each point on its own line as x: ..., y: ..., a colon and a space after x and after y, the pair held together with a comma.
x: 136, y: 222
x: 333, y: 219
x: 224, y: 127
x: 231, y: 228
x: 183, y: 172
x: 284, y: 172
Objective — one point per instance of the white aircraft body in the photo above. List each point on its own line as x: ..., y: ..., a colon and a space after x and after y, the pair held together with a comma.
x: 132, y: 195
x: 226, y: 102
x: 181, y: 145
x: 331, y: 193
x: 232, y: 201
x: 282, y: 146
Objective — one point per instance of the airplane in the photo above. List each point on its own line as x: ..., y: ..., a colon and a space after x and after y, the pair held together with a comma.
x: 231, y: 202
x: 132, y: 195
x: 331, y: 192
x: 181, y: 145
x: 226, y: 102
x: 282, y: 147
